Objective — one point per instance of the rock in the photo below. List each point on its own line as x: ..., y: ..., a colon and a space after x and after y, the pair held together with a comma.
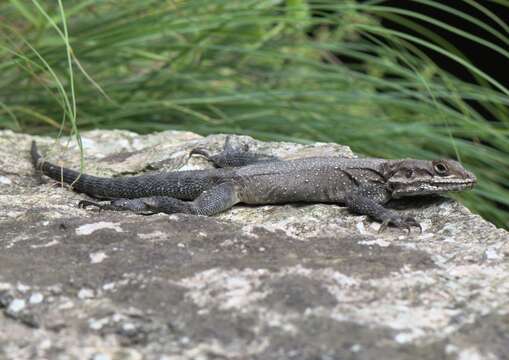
x: 260, y: 282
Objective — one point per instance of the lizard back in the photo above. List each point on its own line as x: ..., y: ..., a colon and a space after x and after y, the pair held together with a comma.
x: 315, y: 179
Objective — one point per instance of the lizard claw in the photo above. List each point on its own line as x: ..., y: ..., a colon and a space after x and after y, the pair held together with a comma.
x: 384, y: 226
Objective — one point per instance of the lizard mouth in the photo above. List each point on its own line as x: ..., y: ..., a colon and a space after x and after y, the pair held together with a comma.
x: 435, y: 187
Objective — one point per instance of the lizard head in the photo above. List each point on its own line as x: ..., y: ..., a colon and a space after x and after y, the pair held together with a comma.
x: 421, y: 177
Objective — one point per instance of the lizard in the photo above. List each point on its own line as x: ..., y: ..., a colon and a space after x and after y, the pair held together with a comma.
x: 363, y: 185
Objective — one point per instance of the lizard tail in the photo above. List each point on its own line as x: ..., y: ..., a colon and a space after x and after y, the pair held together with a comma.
x: 36, y: 156
x: 125, y: 187
x: 97, y: 187
x: 55, y: 172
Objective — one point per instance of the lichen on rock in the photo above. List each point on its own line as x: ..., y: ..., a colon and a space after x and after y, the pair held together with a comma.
x: 292, y: 281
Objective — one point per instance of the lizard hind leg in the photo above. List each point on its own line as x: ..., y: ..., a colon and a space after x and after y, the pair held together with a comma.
x: 210, y: 202
x: 231, y: 157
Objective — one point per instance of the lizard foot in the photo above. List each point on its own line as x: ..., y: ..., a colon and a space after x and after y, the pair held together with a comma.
x: 200, y: 151
x: 137, y: 206
x: 227, y: 148
x: 134, y: 205
x: 400, y: 222
x: 83, y: 204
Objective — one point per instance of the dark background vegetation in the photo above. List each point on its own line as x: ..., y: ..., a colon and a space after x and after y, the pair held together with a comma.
x: 486, y: 59
x: 407, y: 78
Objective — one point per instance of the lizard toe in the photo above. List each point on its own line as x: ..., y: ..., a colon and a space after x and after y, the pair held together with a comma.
x: 83, y: 204
x: 383, y: 226
x: 412, y: 222
x: 200, y: 151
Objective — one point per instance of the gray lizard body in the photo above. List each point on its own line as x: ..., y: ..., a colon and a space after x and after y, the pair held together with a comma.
x: 362, y: 185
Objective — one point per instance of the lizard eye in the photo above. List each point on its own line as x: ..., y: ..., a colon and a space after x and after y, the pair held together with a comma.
x: 409, y: 174
x: 441, y: 169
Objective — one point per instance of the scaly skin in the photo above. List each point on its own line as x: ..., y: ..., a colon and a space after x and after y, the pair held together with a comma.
x: 362, y: 185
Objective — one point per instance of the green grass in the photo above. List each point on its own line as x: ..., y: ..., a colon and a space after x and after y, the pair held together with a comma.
x: 249, y: 66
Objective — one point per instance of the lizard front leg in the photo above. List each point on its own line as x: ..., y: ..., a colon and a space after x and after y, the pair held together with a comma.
x: 231, y: 157
x: 359, y: 203
x: 210, y: 202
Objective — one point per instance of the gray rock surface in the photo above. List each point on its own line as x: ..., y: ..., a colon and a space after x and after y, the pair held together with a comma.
x: 266, y: 282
